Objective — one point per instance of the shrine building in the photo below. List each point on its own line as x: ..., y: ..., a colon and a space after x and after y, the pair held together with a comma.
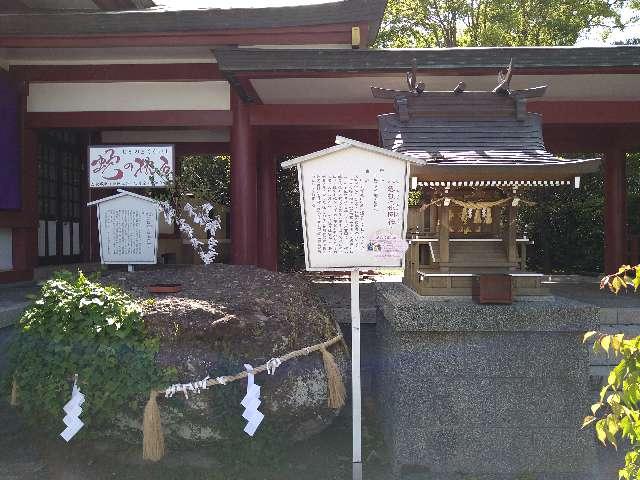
x: 262, y: 83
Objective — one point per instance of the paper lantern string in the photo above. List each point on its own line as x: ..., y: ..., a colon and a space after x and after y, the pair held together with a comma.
x: 73, y: 411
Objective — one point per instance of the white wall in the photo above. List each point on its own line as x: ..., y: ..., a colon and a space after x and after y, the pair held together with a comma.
x: 6, y: 249
x: 128, y: 96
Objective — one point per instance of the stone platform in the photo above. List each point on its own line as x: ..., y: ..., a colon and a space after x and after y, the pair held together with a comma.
x: 484, y: 391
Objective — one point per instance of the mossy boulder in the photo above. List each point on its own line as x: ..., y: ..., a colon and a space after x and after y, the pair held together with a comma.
x: 226, y: 316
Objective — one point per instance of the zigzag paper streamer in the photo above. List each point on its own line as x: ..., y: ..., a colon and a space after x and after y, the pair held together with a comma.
x: 73, y: 410
x: 251, y: 402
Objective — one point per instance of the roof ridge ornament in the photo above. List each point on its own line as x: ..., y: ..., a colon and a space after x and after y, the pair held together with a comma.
x: 412, y: 79
x: 504, y: 80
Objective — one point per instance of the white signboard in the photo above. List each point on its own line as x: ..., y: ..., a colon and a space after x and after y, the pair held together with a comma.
x: 354, y: 206
x: 113, y: 166
x: 128, y: 229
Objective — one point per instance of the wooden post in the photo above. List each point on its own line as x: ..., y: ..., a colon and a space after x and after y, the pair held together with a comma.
x: 412, y: 264
x: 244, y: 201
x: 615, y: 210
x: 443, y: 234
x: 523, y: 256
x: 433, y: 218
x: 512, y: 249
x: 268, y: 207
x: 356, y: 392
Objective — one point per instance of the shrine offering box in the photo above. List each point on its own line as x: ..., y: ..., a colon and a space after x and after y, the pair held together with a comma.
x: 353, y: 199
x: 492, y: 288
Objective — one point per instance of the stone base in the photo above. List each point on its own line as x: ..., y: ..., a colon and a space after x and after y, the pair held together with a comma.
x: 484, y: 391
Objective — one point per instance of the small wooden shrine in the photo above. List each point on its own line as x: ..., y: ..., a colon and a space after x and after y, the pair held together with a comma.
x: 481, y: 149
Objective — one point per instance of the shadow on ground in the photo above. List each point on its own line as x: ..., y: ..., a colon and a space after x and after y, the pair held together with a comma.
x: 26, y: 454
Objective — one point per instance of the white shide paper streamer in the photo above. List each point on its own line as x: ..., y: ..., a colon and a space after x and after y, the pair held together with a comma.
x: 73, y: 410
x: 185, y: 387
x: 251, y: 402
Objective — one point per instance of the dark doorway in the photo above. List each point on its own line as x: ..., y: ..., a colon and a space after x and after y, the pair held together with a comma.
x: 61, y: 173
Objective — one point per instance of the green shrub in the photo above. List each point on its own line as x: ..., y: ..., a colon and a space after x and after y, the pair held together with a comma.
x: 79, y: 326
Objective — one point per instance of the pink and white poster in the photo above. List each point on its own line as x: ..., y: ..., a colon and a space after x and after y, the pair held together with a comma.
x: 112, y: 166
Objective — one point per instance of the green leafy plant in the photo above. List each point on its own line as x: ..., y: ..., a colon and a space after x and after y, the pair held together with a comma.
x: 616, y: 415
x: 78, y: 326
x: 626, y: 277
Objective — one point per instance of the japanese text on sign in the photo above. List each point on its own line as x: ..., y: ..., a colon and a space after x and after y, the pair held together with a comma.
x: 132, y: 166
x: 340, y: 203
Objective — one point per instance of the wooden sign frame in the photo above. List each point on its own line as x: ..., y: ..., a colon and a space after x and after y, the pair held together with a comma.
x: 335, y: 161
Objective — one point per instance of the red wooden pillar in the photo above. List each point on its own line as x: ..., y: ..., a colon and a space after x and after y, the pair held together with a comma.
x: 244, y: 218
x: 615, y: 210
x: 25, y: 235
x: 268, y: 206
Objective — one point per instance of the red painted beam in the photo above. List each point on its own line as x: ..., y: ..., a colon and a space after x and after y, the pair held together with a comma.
x: 156, y: 118
x: 587, y: 112
x: 363, y: 115
x: 202, y: 148
x: 353, y: 115
x: 117, y: 72
x: 320, y: 34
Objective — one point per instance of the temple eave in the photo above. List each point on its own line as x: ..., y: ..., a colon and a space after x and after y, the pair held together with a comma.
x: 565, y: 170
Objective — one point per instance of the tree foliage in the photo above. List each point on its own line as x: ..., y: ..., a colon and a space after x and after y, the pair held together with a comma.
x: 567, y: 224
x: 201, y: 179
x: 475, y: 23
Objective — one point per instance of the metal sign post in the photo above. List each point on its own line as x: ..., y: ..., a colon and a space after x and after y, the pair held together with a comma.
x: 354, y: 201
x: 355, y: 374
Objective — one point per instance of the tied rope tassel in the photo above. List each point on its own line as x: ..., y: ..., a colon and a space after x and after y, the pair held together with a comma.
x: 152, y: 436
x: 337, y: 391
x: 13, y: 401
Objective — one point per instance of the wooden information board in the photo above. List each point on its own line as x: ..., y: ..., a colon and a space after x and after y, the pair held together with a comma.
x: 353, y: 199
x: 128, y: 229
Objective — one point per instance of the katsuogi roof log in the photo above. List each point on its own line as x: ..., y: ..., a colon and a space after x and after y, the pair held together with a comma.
x: 467, y: 135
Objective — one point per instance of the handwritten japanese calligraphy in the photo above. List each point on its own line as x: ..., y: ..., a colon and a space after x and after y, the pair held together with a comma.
x: 132, y: 166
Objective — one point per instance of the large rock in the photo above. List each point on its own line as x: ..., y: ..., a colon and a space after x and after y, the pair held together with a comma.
x: 226, y: 316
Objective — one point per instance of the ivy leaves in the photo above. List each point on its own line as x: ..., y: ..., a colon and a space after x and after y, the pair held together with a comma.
x: 80, y: 326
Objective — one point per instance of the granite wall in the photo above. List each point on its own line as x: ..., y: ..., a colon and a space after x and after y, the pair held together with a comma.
x: 470, y: 391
